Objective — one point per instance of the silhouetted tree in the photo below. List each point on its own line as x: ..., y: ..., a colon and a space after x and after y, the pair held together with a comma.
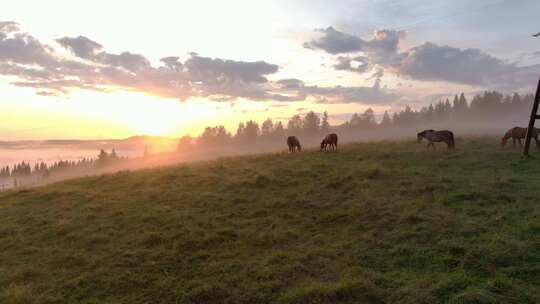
x: 386, y: 121
x: 103, y: 158
x: 113, y: 155
x: 240, y: 131
x: 214, y: 136
x: 185, y: 143
x: 267, y: 128
x: 251, y: 132
x: 368, y: 118
x: 311, y: 123
x: 279, y: 131
x: 294, y: 126
x: 325, y: 125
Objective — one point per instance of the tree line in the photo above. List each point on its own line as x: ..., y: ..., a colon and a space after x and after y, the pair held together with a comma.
x: 483, y: 108
x: 43, y: 170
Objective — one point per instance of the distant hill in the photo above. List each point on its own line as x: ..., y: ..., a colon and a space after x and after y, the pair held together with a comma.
x: 385, y: 222
x: 130, y: 142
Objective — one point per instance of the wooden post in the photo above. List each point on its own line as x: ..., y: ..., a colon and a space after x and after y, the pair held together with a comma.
x: 532, y: 119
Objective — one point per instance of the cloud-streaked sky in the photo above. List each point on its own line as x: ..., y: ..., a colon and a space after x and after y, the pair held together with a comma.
x: 111, y: 69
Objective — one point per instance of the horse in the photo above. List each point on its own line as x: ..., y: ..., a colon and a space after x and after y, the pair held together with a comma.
x: 330, y: 139
x: 517, y: 133
x: 294, y: 144
x: 437, y: 136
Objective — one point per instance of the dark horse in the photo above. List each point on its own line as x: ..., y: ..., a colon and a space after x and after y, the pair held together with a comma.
x: 517, y: 133
x: 330, y: 139
x: 294, y: 144
x: 437, y: 136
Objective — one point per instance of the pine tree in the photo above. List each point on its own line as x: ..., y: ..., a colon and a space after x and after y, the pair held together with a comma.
x: 279, y: 131
x: 311, y: 123
x: 267, y: 127
x: 386, y: 121
x: 251, y: 131
x: 113, y: 155
x: 325, y: 125
x: 294, y: 125
x: 368, y: 118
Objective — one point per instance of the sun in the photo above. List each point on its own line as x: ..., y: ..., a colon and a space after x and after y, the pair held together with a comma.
x: 153, y: 126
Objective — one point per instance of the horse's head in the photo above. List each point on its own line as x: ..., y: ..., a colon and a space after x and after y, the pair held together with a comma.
x: 323, y: 143
x: 419, y: 136
x: 423, y: 134
x: 299, y: 147
x: 506, y: 137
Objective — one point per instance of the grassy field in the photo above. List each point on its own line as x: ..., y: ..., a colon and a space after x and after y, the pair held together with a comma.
x: 386, y: 222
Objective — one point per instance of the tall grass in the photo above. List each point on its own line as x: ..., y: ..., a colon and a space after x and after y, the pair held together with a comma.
x: 385, y: 222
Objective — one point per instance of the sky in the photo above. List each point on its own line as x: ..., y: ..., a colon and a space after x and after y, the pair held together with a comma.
x: 114, y: 69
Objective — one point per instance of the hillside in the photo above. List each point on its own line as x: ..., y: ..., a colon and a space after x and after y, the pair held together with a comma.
x: 385, y: 222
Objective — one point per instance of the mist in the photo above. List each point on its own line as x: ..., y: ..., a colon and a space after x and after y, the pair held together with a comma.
x: 487, y: 114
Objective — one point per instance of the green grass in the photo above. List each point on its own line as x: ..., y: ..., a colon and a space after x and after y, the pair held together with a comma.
x: 387, y: 222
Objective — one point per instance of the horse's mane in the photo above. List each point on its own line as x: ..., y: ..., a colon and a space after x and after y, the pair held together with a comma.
x: 425, y: 131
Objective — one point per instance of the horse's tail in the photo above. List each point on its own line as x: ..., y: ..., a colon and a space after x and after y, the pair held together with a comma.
x: 452, y: 144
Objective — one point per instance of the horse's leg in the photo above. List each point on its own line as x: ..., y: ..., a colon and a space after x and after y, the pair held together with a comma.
x: 514, y: 142
x: 520, y: 143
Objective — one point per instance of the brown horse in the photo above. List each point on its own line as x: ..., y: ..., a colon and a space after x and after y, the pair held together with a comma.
x: 294, y: 144
x: 330, y: 139
x: 437, y: 136
x: 518, y: 133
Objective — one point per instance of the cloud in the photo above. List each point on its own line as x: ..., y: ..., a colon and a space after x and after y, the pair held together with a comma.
x: 205, y: 69
x: 291, y: 83
x: 173, y: 63
x: 22, y: 48
x: 338, y: 94
x: 38, y: 66
x: 426, y: 62
x: 8, y: 26
x: 129, y: 61
x: 359, y: 64
x: 357, y: 94
x: 335, y: 42
x: 382, y: 48
x: 465, y: 66
x: 80, y: 46
x: 86, y: 48
x: 90, y: 67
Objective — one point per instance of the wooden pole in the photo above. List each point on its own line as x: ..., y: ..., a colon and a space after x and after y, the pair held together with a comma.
x: 532, y: 119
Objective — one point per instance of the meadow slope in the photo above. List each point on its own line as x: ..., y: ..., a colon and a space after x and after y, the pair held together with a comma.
x: 383, y: 222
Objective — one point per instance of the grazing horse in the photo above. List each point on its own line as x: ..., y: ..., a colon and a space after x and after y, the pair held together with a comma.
x: 330, y: 139
x: 437, y: 136
x: 294, y: 144
x: 517, y: 133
